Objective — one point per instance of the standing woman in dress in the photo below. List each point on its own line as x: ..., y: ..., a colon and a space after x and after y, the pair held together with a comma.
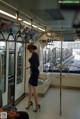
x: 33, y: 80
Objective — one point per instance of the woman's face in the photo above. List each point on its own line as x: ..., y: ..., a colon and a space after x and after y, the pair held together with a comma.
x: 31, y: 50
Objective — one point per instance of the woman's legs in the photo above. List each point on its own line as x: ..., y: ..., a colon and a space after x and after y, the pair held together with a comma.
x: 30, y: 96
x: 35, y: 95
x: 30, y: 93
x: 30, y: 103
x: 37, y: 106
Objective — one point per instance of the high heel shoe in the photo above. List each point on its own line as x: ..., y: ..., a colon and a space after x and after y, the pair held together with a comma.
x: 37, y: 108
x: 29, y: 105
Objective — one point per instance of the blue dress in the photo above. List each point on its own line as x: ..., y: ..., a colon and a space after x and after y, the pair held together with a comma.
x: 34, y: 64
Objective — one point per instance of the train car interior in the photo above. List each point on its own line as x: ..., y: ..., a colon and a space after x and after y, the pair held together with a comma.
x: 54, y: 27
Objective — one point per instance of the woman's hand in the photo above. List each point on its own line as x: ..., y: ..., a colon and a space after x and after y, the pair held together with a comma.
x: 27, y: 68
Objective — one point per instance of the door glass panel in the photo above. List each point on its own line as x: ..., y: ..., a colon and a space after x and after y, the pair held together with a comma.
x: 2, y: 66
x: 19, y: 47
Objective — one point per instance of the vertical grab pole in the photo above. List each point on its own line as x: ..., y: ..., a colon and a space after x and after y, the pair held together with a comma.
x: 61, y: 79
x: 46, y: 54
x: 25, y: 64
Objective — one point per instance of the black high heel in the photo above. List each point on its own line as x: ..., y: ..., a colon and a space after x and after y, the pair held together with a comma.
x: 29, y: 105
x: 37, y: 108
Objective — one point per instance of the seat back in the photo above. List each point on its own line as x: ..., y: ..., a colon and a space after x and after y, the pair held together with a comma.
x: 0, y: 99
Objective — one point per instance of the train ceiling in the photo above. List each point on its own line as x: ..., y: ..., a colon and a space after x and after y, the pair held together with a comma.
x: 48, y: 13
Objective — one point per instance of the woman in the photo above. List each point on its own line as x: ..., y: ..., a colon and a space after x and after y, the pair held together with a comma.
x: 33, y: 80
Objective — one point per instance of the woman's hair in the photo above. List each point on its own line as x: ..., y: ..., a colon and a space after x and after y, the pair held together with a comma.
x: 31, y: 46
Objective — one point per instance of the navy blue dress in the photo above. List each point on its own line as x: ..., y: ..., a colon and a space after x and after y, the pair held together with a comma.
x: 34, y: 64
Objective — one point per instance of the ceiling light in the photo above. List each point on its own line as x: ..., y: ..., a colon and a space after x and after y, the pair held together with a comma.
x: 41, y: 29
x: 19, y: 19
x: 26, y: 22
x: 14, y: 17
x: 34, y: 26
x: 7, y: 14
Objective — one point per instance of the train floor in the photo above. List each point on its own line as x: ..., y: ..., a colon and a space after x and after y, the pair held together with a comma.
x: 50, y: 105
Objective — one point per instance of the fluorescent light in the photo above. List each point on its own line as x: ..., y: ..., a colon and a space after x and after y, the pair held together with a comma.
x: 34, y: 26
x: 29, y: 24
x: 19, y: 19
x: 14, y: 17
x: 7, y: 14
x: 26, y: 22
x: 41, y: 29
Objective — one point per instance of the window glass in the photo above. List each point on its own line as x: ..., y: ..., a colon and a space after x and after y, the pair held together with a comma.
x: 19, y: 47
x: 2, y: 66
x: 70, y: 56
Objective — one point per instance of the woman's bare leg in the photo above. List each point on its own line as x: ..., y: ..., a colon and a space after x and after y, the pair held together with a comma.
x: 30, y: 93
x: 30, y: 96
x: 35, y: 95
x: 37, y: 106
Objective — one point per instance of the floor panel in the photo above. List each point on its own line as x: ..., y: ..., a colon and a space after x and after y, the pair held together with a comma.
x: 50, y: 105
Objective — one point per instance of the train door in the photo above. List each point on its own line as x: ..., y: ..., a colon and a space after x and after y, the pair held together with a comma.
x: 15, y: 70
x: 20, y: 73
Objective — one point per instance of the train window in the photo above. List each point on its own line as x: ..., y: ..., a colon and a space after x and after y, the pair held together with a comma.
x: 19, y: 47
x: 2, y: 66
x: 70, y: 57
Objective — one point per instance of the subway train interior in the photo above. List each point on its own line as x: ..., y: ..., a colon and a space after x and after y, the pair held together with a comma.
x: 54, y: 27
